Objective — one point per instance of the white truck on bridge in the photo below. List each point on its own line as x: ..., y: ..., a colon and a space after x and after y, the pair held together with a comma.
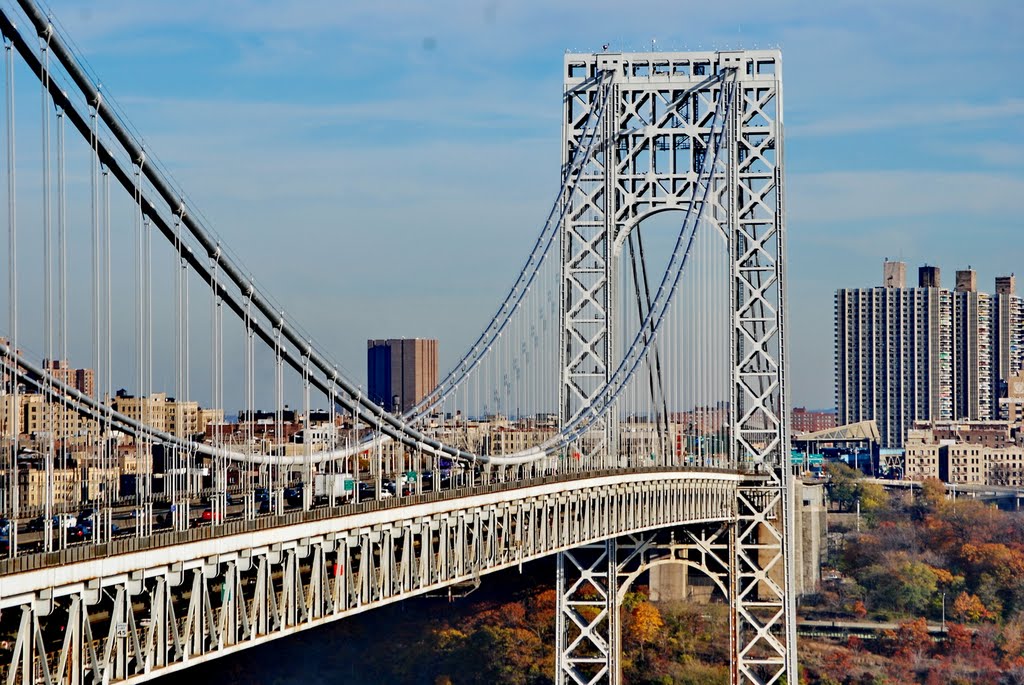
x: 334, y: 487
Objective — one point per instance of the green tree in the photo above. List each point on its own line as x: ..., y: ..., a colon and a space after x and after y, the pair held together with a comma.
x: 900, y: 585
x: 842, y: 484
x: 933, y: 495
x: 919, y: 585
x: 873, y: 497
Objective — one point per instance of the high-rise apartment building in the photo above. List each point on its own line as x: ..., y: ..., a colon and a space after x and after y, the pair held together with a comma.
x: 401, y: 371
x: 929, y: 277
x: 925, y: 353
x: 972, y: 349
x: 894, y: 274
x: 891, y: 354
x: 1008, y: 341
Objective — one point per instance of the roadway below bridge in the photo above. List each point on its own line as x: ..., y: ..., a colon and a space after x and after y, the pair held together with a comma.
x: 972, y: 490
x: 833, y: 626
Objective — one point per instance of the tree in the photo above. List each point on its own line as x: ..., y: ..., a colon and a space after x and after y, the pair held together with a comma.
x: 1013, y: 643
x: 540, y: 611
x: 842, y: 484
x: 919, y: 586
x: 647, y: 623
x: 933, y: 494
x: 900, y: 583
x: 958, y: 641
x: 838, y: 665
x: 910, y: 642
x: 509, y: 656
x: 873, y: 497
x: 969, y: 608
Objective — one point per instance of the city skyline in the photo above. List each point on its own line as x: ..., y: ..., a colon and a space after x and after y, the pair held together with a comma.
x: 312, y: 115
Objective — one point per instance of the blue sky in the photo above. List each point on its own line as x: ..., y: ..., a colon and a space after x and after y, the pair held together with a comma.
x: 314, y: 135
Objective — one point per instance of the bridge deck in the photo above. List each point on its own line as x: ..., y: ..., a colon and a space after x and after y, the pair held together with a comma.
x: 29, y: 573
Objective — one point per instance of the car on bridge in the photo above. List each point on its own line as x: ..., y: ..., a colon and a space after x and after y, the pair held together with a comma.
x: 87, y: 527
x: 208, y: 499
x: 293, y: 495
x: 391, y: 487
x: 210, y: 516
x: 65, y: 521
x: 76, y: 534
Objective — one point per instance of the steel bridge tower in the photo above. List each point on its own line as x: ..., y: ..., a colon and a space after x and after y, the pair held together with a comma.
x: 669, y: 99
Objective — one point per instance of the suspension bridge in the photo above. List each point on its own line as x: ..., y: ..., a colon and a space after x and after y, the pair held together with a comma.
x: 625, y: 407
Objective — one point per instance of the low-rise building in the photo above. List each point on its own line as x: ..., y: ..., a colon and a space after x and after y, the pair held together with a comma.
x: 922, y: 455
x: 811, y: 421
x: 32, y: 485
x: 969, y: 452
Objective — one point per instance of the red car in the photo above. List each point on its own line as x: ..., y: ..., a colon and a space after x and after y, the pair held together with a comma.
x: 209, y: 516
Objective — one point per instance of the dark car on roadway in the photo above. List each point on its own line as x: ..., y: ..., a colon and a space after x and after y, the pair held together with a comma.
x: 86, y: 527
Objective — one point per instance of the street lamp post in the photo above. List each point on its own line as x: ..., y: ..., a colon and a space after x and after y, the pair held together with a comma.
x: 943, y: 613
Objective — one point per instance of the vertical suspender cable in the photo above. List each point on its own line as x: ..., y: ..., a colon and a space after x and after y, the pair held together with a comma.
x: 249, y: 419
x: 275, y: 474
x: 137, y: 247
x: 186, y: 321
x: 142, y: 448
x: 147, y: 388
x: 179, y: 383
x: 62, y: 288
x: 108, y: 467
x: 96, y: 275
x: 306, y: 446
x: 217, y: 371
x: 215, y: 500
x: 12, y: 293
x: 44, y: 77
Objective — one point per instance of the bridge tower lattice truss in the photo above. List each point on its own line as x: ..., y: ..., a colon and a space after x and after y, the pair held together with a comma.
x: 675, y: 95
